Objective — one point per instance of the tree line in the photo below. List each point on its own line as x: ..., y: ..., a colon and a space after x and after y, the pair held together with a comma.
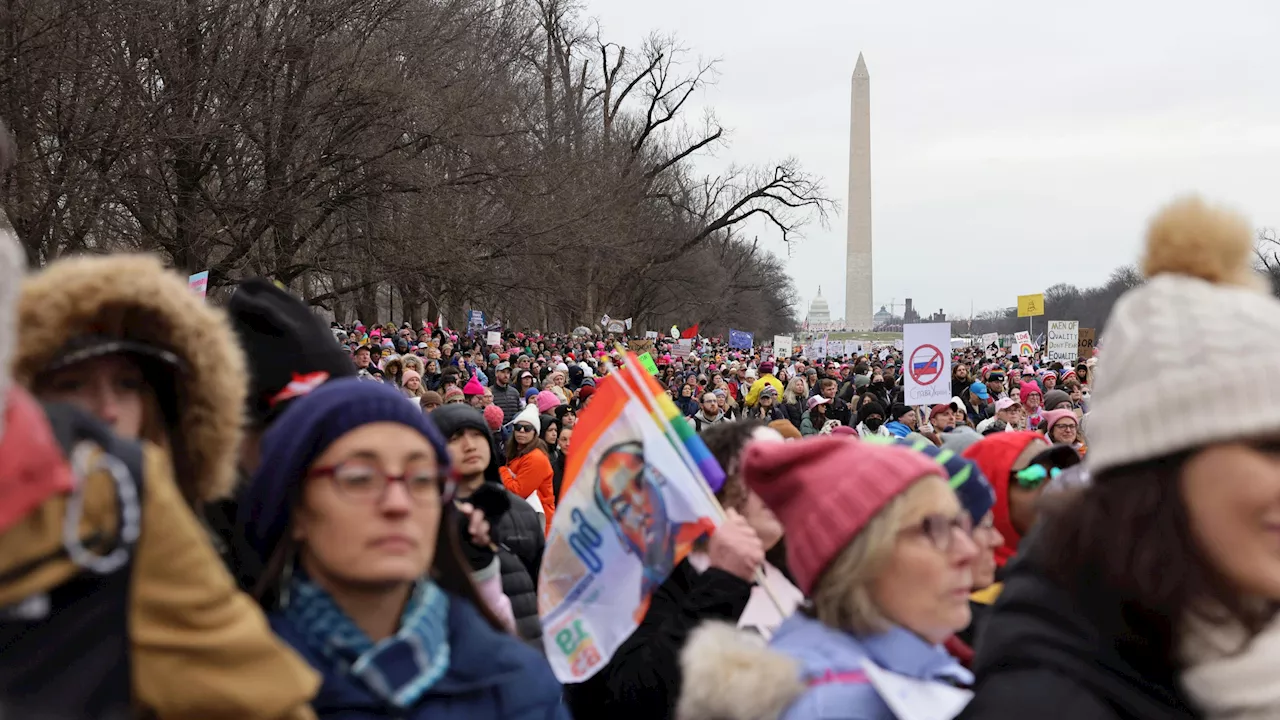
x: 394, y: 159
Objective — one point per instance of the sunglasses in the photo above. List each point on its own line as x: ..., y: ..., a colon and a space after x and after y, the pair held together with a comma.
x: 1033, y: 476
x: 524, y: 427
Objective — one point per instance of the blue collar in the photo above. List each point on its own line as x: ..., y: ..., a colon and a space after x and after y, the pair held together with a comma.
x: 906, y: 653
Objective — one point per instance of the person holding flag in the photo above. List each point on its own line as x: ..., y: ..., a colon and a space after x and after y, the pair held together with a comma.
x: 637, y: 495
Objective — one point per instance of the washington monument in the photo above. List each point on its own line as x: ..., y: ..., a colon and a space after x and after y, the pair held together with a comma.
x: 857, y: 280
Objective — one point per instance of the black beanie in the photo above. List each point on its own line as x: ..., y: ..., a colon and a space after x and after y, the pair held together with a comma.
x: 284, y: 342
x: 871, y: 408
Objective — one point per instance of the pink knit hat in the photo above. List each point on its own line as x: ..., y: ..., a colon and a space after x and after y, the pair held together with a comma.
x: 409, y: 373
x: 825, y: 489
x: 546, y: 400
x: 1052, y: 418
x: 473, y: 387
x: 493, y: 417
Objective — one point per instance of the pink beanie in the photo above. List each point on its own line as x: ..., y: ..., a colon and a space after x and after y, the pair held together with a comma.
x: 473, y: 387
x: 546, y: 400
x: 1027, y: 390
x: 1052, y: 417
x: 409, y: 373
x: 493, y: 417
x: 825, y: 489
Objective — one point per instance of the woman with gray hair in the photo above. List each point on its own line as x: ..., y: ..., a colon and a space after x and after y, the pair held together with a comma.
x: 881, y: 545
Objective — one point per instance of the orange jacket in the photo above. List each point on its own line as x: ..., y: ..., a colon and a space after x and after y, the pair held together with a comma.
x: 532, y: 472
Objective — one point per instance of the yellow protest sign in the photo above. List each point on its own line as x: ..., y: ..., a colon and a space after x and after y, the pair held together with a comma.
x: 1031, y: 305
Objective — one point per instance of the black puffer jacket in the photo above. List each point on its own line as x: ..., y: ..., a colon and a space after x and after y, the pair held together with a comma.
x: 520, y: 543
x: 1049, y: 655
x: 507, y: 398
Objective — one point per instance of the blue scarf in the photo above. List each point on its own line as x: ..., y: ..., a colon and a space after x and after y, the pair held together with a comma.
x: 398, y: 669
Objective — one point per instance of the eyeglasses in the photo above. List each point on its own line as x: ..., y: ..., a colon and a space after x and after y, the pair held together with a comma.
x: 524, y: 427
x: 1033, y: 476
x: 940, y: 529
x: 1066, y: 426
x: 363, y: 481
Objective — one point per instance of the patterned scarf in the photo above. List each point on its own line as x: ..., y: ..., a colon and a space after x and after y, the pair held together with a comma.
x: 398, y: 669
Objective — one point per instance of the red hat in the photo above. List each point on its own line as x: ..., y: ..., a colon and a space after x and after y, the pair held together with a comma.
x: 586, y: 392
x: 826, y: 489
x: 937, y: 409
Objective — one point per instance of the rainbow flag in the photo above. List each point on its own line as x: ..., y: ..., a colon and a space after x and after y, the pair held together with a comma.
x: 638, y: 490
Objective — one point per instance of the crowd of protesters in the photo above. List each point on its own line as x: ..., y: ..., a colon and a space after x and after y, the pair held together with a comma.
x: 239, y: 512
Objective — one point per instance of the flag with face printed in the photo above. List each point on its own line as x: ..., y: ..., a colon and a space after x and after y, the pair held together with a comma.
x: 638, y: 490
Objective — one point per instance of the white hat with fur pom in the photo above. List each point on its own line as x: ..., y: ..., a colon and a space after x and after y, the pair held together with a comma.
x: 1202, y: 326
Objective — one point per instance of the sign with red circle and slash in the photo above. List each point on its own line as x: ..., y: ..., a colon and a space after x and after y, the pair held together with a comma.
x: 926, y: 364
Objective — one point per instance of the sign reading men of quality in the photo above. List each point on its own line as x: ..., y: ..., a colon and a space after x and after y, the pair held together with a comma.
x: 1031, y: 305
x: 927, y: 360
x: 1064, y: 338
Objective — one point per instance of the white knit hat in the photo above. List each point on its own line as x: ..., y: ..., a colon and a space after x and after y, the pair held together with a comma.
x: 529, y: 415
x: 1202, y: 327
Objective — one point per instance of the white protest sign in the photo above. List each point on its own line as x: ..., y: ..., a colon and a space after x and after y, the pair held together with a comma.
x: 493, y: 337
x: 1064, y: 340
x: 927, y: 362
x: 989, y: 339
x: 683, y: 348
x: 898, y: 345
x: 783, y: 346
x: 650, y: 334
x: 818, y: 347
x: 1022, y: 339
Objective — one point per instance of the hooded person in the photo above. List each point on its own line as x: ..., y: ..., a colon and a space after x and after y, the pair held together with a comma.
x: 131, y: 610
x: 125, y: 338
x: 999, y: 456
x: 871, y: 420
x: 518, y: 533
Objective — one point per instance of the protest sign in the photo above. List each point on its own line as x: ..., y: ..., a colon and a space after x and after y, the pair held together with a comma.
x: 783, y: 346
x: 646, y: 361
x: 493, y: 337
x: 1063, y: 341
x: 1084, y: 347
x: 1031, y: 305
x: 640, y: 346
x: 926, y: 361
x: 741, y: 340
x: 199, y: 283
x: 637, y: 493
x: 650, y: 334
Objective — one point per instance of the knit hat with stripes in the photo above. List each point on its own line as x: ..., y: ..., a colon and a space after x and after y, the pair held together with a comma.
x: 968, y: 482
x: 1203, y: 323
x: 826, y: 489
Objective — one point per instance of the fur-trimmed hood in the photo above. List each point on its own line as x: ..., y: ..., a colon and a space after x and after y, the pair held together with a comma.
x: 729, y: 674
x: 134, y: 297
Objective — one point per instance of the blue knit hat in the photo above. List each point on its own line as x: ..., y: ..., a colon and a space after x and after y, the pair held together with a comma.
x: 966, y: 479
x: 301, y: 434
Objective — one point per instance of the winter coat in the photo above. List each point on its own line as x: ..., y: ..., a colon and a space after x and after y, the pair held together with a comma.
x: 1049, y: 655
x: 642, y: 681
x: 807, y: 426
x: 134, y: 297
x: 774, y: 413
x: 995, y: 455
x: 507, y: 398
x: 795, y: 412
x: 808, y: 672
x: 491, y: 676
x: 197, y: 647
x: 687, y: 405
x: 520, y: 540
x: 897, y: 429
x: 532, y: 473
x: 766, y: 379
x: 700, y: 421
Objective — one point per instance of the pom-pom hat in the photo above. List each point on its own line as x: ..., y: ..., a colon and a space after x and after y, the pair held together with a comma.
x: 824, y: 490
x: 1204, y: 320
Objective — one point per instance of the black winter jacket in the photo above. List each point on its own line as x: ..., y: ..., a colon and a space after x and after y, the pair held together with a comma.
x: 507, y: 398
x: 520, y: 541
x: 795, y: 412
x: 642, y: 680
x: 1047, y: 655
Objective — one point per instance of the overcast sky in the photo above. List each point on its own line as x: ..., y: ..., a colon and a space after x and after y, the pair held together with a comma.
x: 1014, y: 145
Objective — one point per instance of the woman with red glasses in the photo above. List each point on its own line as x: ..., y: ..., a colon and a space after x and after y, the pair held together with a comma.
x: 352, y: 518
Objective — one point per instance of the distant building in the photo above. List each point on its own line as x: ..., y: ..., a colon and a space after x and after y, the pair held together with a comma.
x: 819, y: 313
x: 884, y: 317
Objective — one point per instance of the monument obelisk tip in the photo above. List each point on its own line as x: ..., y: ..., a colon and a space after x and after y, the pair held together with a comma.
x: 860, y: 70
